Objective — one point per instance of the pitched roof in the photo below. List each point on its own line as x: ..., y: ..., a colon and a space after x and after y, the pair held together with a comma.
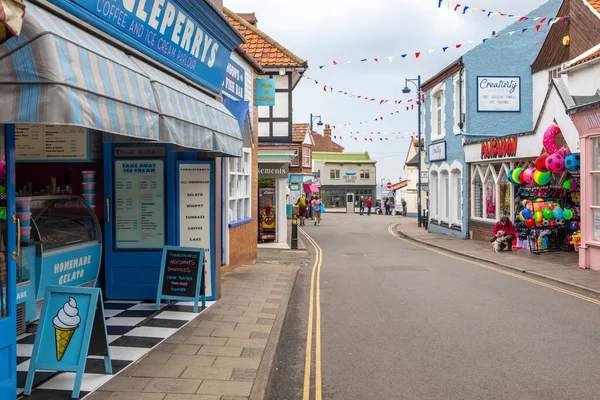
x: 595, y: 4
x: 591, y: 57
x: 413, y: 161
x: 261, y: 46
x: 322, y: 142
x: 344, y: 157
x: 299, y: 132
x: 399, y: 185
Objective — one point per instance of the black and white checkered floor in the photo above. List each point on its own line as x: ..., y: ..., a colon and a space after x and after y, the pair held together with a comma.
x: 133, y: 328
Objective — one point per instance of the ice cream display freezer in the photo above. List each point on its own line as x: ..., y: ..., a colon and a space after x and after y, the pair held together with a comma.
x: 60, y: 243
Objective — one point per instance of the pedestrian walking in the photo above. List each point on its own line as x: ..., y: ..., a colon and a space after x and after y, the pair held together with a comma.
x: 361, y: 205
x: 316, y: 207
x: 387, y: 205
x: 310, y: 207
x: 369, y: 205
x: 302, y: 209
x: 404, y: 213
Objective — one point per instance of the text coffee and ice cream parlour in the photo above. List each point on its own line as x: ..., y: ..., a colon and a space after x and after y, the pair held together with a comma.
x: 111, y: 134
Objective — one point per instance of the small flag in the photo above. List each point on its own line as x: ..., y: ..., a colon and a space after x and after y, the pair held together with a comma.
x: 321, y: 66
x: 363, y: 60
x: 391, y: 58
x: 335, y: 62
x: 431, y: 51
x: 537, y: 27
x: 376, y: 59
x: 550, y: 21
x: 465, y: 9
x: 543, y: 20
x: 417, y: 54
x: 458, y: 46
x: 325, y: 88
x: 523, y: 30
x: 404, y: 55
x: 457, y: 7
x: 524, y: 18
x: 444, y: 49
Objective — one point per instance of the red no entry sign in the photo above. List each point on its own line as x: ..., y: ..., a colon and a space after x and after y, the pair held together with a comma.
x: 389, y: 185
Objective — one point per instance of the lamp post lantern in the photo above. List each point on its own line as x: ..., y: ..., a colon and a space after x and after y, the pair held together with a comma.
x: 312, y: 120
x: 406, y: 90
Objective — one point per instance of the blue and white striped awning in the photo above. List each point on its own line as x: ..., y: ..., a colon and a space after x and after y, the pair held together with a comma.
x: 190, y: 118
x: 58, y: 74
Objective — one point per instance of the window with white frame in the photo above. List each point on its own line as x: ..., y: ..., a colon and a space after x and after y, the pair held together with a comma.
x: 456, y: 195
x: 553, y: 74
x: 491, y: 194
x: 457, y: 103
x: 437, y: 109
x: 365, y: 174
x: 433, y: 195
x: 240, y: 182
x: 296, y: 160
x: 463, y: 99
x: 334, y: 174
x: 306, y: 157
x: 596, y: 189
x: 477, y: 194
x: 444, y: 196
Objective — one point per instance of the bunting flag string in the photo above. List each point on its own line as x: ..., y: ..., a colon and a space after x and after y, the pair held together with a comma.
x: 540, y: 22
x: 370, y: 121
x: 464, y: 9
x: 331, y: 90
x: 373, y: 136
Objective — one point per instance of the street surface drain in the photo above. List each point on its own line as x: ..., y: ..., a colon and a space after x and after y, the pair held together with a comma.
x: 355, y: 254
x: 399, y: 268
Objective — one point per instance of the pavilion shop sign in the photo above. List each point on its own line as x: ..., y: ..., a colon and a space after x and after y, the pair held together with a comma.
x: 499, y: 148
x: 164, y: 27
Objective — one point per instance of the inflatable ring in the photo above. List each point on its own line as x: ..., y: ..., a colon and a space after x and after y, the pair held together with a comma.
x: 549, y: 140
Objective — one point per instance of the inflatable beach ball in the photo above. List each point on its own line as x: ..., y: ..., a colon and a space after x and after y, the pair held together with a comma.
x: 555, y: 163
x: 542, y: 178
x: 540, y: 164
x: 573, y: 162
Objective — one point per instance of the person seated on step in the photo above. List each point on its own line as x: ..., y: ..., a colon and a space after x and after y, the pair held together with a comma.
x: 506, y: 226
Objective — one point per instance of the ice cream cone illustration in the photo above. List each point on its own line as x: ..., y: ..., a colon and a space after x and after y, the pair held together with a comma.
x: 65, y: 323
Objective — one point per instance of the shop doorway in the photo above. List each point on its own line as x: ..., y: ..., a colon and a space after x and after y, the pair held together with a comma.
x: 267, y: 199
x: 350, y: 203
x: 9, y: 225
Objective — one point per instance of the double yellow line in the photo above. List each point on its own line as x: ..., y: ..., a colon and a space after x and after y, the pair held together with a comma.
x: 315, y: 299
x: 501, y: 271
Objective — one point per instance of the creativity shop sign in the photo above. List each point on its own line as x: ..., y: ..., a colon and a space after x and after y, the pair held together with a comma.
x: 71, y: 329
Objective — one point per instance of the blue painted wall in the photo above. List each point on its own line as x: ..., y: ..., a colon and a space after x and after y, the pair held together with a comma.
x: 503, y: 56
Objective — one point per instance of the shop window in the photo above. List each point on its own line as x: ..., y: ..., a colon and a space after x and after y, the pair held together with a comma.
x: 433, y: 195
x: 596, y: 188
x: 477, y: 195
x: 457, y: 103
x: 444, y: 196
x: 296, y: 160
x: 334, y: 174
x: 437, y: 128
x: 306, y: 157
x: 334, y: 198
x: 505, y: 195
x: 365, y: 174
x: 490, y: 197
x: 456, y: 184
x: 240, y: 181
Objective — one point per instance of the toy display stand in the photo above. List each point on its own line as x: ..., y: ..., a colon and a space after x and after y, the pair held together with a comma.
x: 546, y: 240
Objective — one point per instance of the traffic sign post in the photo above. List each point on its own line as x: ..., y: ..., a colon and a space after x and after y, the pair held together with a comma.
x: 389, y: 185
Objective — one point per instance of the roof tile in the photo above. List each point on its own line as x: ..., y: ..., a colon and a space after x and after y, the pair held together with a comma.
x: 591, y: 57
x: 595, y: 4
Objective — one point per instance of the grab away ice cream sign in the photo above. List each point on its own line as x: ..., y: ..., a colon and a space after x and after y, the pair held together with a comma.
x: 71, y: 329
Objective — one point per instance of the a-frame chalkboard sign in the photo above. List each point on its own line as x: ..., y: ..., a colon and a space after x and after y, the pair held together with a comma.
x: 182, y: 275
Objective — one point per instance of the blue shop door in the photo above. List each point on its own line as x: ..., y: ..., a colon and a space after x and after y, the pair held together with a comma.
x: 8, y: 270
x: 135, y: 224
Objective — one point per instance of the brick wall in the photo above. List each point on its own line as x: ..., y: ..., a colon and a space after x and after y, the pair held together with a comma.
x: 243, y: 238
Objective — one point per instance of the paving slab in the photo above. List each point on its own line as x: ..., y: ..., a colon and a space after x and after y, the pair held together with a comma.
x: 227, y: 353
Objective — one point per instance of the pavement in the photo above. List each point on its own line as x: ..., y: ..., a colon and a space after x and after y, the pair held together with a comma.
x: 228, y: 351
x: 559, y: 266
x: 399, y: 320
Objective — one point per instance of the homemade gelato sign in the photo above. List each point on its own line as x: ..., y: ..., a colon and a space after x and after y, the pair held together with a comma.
x: 181, y: 275
x: 498, y: 94
x: 139, y: 204
x: 195, y: 211
x: 51, y: 142
x: 71, y: 328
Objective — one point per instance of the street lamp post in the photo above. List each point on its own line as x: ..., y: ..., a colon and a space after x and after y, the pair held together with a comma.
x: 406, y: 90
x: 312, y: 120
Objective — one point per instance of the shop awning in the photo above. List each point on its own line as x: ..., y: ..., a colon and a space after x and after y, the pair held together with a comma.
x: 311, y: 188
x: 55, y: 73
x: 190, y: 118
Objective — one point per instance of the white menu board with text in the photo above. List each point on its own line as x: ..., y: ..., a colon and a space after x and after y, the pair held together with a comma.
x: 51, y: 142
x: 195, y: 213
x: 139, y: 204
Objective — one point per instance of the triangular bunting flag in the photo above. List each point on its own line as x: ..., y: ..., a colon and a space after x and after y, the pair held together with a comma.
x: 444, y: 49
x: 417, y: 54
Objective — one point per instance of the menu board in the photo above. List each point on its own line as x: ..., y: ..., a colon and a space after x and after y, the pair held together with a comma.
x: 51, y: 142
x: 140, y: 204
x: 181, y: 271
x: 195, y: 182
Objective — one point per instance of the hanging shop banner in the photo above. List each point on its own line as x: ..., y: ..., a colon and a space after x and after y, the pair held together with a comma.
x: 195, y: 200
x: 139, y: 204
x: 499, y: 148
x: 498, y: 94
x: 166, y: 29
x: 71, y: 328
x: 273, y: 171
x: 437, y: 151
x: 265, y: 92
x: 181, y: 275
x: 52, y: 143
x: 235, y: 81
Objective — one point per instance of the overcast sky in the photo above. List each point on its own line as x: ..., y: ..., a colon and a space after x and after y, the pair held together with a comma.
x: 320, y: 31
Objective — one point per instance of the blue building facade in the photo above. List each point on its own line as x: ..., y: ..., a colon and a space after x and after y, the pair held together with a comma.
x: 486, y: 94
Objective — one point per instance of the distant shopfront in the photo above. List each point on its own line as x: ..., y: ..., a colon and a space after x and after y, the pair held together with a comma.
x: 118, y: 155
x: 272, y: 197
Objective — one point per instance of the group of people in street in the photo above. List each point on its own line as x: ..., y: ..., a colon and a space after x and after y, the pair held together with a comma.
x: 362, y: 204
x: 309, y: 209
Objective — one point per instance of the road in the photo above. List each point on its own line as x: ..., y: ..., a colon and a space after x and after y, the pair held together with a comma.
x: 402, y: 321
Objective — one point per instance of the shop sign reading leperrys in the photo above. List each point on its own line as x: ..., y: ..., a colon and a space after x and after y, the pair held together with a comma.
x: 498, y: 94
x: 139, y: 204
x: 165, y: 28
x: 195, y: 212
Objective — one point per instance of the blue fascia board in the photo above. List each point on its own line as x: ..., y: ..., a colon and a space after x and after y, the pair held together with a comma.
x: 240, y: 222
x: 220, y: 30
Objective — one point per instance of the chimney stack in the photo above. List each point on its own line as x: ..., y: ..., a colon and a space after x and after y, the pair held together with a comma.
x: 327, y: 132
x: 249, y: 18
